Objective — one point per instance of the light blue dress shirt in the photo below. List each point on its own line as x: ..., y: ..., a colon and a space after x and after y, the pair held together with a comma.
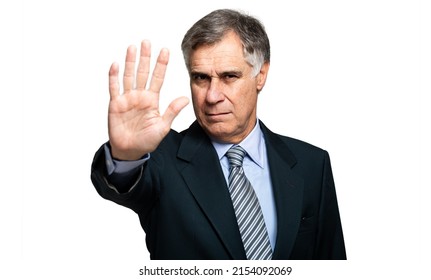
x: 255, y: 166
x: 256, y: 169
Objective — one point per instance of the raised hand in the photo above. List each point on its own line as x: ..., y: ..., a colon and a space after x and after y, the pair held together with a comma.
x: 135, y: 124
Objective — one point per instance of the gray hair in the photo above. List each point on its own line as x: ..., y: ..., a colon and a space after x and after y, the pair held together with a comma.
x: 211, y: 28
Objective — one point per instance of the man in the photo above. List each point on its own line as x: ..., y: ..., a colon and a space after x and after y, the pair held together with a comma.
x: 227, y: 187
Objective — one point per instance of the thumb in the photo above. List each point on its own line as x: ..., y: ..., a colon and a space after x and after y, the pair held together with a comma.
x: 174, y: 109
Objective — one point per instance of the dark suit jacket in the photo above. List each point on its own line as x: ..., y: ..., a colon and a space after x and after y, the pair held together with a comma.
x: 185, y: 209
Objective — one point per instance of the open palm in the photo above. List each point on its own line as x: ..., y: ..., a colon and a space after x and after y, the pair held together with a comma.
x: 135, y: 124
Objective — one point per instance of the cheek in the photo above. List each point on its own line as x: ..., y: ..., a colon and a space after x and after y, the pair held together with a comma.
x: 198, y: 100
x: 245, y: 110
x: 245, y: 102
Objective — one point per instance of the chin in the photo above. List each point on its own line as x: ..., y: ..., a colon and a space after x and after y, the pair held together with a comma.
x: 218, y: 131
x: 224, y: 135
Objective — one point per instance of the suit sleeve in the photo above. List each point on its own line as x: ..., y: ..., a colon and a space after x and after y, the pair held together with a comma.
x: 139, y: 197
x: 330, y: 240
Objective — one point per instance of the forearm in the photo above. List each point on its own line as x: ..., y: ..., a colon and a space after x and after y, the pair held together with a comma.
x: 123, y: 175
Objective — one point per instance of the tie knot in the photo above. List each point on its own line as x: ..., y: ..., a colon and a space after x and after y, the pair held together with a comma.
x: 235, y: 155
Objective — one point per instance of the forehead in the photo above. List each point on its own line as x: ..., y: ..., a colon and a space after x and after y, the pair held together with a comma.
x: 229, y: 51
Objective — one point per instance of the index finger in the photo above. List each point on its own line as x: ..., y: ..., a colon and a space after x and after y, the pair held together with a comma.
x: 159, y: 71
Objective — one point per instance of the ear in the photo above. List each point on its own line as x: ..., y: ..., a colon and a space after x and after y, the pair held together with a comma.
x: 261, y: 76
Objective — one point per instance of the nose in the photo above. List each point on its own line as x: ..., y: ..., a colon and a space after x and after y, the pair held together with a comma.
x: 215, y: 92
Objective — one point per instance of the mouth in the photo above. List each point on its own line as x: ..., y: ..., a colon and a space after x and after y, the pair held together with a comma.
x: 216, y: 116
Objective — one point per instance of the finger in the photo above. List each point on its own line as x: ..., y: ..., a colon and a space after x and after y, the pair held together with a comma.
x: 174, y: 109
x: 129, y: 69
x: 159, y: 71
x: 143, y: 70
x: 114, y: 86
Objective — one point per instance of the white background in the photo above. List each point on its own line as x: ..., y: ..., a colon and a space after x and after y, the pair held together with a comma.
x: 351, y: 77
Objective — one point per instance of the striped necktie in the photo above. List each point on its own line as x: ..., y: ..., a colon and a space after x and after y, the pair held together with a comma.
x: 247, y: 209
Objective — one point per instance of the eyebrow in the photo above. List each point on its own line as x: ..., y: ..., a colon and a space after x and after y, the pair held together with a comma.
x: 221, y: 74
x: 230, y: 73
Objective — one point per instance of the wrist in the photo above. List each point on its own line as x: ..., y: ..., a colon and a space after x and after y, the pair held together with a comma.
x: 127, y: 155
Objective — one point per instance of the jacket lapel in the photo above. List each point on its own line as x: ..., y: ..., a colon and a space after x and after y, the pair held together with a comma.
x: 202, y: 172
x: 288, y: 192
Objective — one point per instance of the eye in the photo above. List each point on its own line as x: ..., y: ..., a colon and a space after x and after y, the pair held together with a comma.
x: 198, y: 77
x: 230, y: 77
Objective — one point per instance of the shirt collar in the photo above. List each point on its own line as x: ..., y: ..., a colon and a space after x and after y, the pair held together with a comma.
x: 253, y: 144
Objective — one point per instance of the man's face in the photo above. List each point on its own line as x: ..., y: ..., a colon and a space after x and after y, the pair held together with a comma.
x: 224, y: 91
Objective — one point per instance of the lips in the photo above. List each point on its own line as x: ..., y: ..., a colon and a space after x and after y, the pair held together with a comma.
x: 216, y: 116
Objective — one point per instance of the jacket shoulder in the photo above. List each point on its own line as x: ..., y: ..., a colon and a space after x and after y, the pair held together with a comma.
x: 300, y: 145
x: 296, y: 146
